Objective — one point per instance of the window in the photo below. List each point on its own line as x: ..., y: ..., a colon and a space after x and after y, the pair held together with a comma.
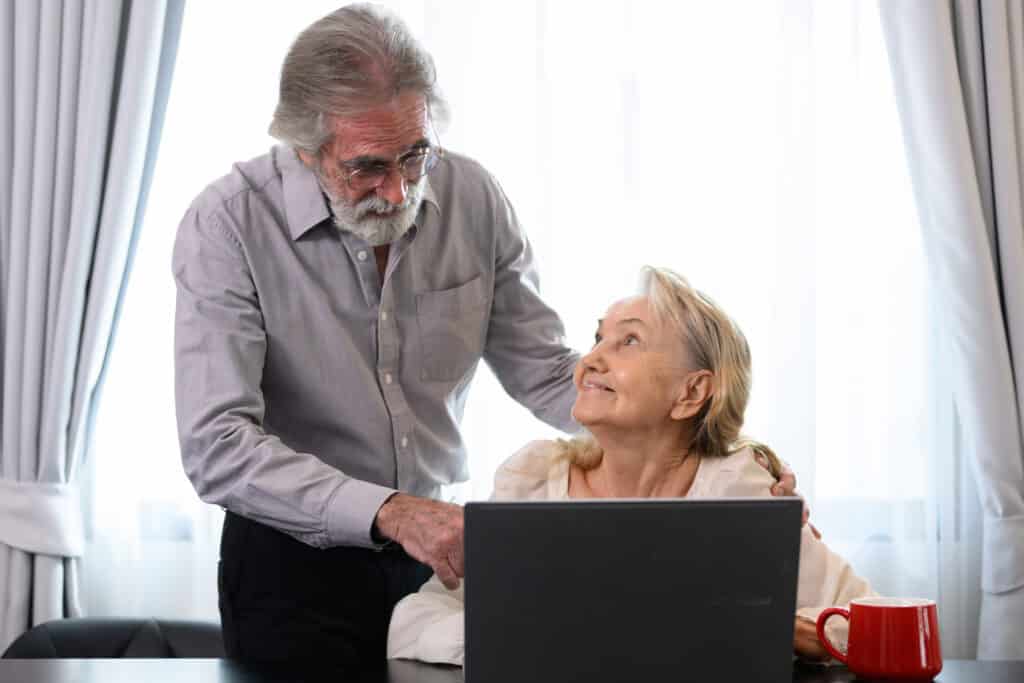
x: 752, y: 146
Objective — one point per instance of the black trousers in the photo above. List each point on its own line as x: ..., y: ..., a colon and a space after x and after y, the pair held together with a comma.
x: 284, y: 601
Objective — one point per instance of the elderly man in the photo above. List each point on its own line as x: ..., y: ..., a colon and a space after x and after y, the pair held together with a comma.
x: 334, y: 298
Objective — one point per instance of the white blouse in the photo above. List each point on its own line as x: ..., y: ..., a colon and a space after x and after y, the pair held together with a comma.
x: 428, y: 624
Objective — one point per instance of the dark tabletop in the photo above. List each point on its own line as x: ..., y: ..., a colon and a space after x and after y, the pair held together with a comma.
x: 953, y: 671
x: 223, y: 671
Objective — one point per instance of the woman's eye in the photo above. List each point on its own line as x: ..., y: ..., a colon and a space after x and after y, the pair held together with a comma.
x: 631, y: 340
x: 597, y: 339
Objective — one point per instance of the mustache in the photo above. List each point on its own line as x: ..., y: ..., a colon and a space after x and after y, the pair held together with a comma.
x: 381, y: 206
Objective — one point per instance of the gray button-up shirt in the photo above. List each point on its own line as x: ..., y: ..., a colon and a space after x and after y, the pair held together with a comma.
x: 306, y: 392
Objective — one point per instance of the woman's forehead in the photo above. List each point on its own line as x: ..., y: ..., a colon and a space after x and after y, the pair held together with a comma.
x: 631, y: 308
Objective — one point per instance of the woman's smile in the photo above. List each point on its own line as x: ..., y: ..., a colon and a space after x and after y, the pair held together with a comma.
x: 593, y: 384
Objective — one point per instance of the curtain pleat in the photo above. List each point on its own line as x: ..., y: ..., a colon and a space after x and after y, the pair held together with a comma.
x: 1004, y: 32
x: 72, y: 587
x: 38, y: 339
x: 47, y: 587
x: 15, y: 573
x: 22, y: 31
x: 6, y: 174
x: 71, y: 60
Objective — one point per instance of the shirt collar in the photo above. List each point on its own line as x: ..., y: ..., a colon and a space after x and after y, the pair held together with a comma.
x: 305, y: 206
x: 429, y: 196
x: 304, y: 203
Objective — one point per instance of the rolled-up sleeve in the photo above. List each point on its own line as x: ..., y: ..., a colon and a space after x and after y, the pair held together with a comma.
x: 525, y: 338
x: 220, y: 348
x: 825, y: 578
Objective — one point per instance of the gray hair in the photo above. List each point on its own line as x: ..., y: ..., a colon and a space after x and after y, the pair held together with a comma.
x: 355, y: 58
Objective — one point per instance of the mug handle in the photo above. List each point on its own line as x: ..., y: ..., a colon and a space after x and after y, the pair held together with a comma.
x: 822, y: 618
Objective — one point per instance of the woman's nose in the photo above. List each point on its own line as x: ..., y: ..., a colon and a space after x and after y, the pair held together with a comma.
x: 594, y: 359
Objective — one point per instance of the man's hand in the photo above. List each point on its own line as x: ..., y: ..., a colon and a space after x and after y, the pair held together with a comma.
x: 805, y: 641
x: 786, y: 486
x: 429, y: 530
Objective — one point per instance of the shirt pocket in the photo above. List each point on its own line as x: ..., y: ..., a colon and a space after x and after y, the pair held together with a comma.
x: 452, y: 329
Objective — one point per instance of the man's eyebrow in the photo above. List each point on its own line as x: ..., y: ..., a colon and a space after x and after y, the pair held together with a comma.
x: 366, y: 159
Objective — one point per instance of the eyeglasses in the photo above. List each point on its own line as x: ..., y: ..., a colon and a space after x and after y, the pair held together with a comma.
x: 361, y: 175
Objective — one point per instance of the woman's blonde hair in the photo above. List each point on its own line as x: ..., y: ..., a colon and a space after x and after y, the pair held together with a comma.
x: 712, y: 341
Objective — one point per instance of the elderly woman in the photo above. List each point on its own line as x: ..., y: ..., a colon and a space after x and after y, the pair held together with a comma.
x: 662, y: 393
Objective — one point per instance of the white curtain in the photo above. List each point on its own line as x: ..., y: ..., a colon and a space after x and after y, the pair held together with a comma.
x: 959, y: 71
x: 753, y: 146
x: 82, y: 90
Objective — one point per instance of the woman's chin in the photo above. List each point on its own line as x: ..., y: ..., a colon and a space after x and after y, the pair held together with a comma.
x: 581, y: 415
x: 586, y: 417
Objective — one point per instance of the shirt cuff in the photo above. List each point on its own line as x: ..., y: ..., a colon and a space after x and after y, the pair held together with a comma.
x: 351, y: 511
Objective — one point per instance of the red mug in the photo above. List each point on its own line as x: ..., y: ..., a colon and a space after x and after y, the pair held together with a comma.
x: 889, y: 638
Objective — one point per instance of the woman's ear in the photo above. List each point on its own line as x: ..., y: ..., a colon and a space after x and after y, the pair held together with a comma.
x: 696, y: 391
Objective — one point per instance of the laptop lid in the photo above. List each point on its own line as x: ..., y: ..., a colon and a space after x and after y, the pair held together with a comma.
x: 631, y: 590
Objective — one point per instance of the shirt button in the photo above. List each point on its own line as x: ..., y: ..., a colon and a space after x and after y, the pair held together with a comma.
x: 387, y: 378
x: 405, y: 442
x: 361, y: 256
x: 383, y: 315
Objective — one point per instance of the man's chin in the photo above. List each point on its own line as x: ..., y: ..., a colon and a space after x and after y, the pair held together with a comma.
x: 375, y: 228
x: 374, y: 231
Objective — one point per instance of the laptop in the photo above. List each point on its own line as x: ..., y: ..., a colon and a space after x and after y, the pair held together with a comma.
x: 631, y: 590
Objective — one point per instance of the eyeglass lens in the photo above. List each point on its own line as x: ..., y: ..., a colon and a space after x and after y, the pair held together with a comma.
x: 412, y: 168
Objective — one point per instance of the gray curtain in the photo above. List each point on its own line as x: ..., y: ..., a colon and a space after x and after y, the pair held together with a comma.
x: 83, y: 87
x: 958, y: 72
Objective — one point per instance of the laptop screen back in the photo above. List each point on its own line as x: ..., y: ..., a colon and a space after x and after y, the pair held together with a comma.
x: 654, y: 589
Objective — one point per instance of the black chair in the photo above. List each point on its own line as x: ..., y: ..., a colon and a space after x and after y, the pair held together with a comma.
x: 90, y: 638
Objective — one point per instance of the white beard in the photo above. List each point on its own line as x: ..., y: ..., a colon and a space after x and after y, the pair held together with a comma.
x: 376, y: 220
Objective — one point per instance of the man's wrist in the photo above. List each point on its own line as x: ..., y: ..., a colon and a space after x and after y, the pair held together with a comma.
x: 377, y: 529
x: 351, y: 511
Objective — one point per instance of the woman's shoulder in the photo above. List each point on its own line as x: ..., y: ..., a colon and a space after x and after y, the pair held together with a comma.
x: 527, y: 472
x: 737, y: 475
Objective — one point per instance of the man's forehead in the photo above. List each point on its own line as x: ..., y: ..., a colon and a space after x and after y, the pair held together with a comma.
x: 382, y: 129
